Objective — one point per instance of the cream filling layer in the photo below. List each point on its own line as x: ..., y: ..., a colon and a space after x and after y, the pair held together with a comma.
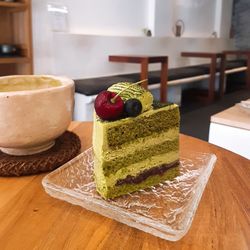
x: 139, y: 143
x: 134, y: 169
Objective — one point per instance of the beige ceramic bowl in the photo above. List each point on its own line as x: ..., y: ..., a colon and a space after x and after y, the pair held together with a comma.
x: 34, y: 111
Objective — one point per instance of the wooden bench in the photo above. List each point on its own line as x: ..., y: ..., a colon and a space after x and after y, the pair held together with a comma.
x: 144, y: 61
x: 87, y: 89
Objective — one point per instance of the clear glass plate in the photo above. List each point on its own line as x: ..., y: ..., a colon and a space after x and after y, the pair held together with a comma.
x: 166, y: 210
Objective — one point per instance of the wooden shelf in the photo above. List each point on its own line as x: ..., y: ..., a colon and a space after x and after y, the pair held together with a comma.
x: 18, y: 59
x: 12, y: 5
x: 15, y: 20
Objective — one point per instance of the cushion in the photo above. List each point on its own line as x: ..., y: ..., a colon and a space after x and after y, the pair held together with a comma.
x: 93, y: 86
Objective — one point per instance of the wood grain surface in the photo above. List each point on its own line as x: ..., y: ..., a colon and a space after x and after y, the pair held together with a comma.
x: 31, y: 219
x: 235, y: 116
x: 144, y: 61
x: 212, y: 72
x: 15, y: 26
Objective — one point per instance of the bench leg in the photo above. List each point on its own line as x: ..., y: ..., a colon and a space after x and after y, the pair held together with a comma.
x: 144, y: 72
x: 212, y: 80
x: 222, y: 75
x: 248, y: 72
x: 164, y: 79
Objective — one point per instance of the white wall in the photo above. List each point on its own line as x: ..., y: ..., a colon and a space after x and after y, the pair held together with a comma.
x: 226, y: 18
x: 198, y: 16
x: 84, y: 55
x: 42, y: 39
x: 107, y: 17
x: 163, y: 18
x: 87, y: 56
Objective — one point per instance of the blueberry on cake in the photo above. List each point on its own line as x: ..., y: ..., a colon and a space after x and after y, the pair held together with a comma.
x: 135, y: 140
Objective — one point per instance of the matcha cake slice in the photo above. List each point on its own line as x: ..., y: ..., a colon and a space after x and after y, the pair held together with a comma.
x: 132, y: 153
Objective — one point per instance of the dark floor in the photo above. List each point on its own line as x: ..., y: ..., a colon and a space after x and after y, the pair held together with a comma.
x: 195, y: 117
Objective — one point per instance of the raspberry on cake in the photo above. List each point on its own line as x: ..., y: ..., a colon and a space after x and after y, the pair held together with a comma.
x: 135, y: 152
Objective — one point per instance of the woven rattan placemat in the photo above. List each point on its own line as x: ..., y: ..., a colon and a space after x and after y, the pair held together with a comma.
x: 66, y: 147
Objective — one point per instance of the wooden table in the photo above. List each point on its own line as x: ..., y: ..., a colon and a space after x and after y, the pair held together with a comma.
x: 226, y: 53
x: 144, y: 60
x: 213, y: 57
x: 31, y: 219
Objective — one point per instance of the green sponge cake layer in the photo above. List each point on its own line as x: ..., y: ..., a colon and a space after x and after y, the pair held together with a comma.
x: 129, y: 186
x: 140, y: 154
x: 115, y: 134
x: 134, y: 169
x: 143, y: 126
x: 103, y: 152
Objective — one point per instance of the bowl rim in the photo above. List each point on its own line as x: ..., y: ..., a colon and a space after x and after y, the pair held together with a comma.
x: 65, y: 81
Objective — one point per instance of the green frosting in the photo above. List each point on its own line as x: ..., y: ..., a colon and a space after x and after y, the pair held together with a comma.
x: 134, y: 91
x: 143, y: 126
x: 117, y: 163
x: 114, y: 191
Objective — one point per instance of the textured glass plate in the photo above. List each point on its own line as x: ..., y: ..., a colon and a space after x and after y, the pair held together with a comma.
x: 166, y: 210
